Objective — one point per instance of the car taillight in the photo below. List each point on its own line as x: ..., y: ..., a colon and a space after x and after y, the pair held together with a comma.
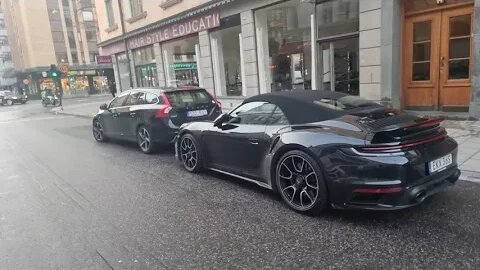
x: 385, y: 148
x: 163, y: 112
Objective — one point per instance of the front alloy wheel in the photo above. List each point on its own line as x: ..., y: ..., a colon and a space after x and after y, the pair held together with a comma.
x: 9, y: 102
x: 300, y: 183
x: 98, y: 132
x: 190, y: 154
x: 144, y: 140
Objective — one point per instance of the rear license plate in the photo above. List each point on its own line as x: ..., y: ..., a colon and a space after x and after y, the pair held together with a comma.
x: 440, y: 164
x: 197, y: 113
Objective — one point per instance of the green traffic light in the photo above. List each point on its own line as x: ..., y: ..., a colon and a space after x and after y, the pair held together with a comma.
x: 54, y: 74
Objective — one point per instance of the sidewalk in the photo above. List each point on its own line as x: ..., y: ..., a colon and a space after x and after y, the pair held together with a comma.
x: 466, y: 133
x: 85, y: 108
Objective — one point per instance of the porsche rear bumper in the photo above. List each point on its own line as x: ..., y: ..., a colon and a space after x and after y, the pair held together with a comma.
x: 408, y: 197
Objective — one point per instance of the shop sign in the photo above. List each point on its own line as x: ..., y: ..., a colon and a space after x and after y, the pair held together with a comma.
x: 63, y: 68
x: 44, y: 74
x: 113, y: 48
x: 180, y: 66
x: 90, y: 72
x: 176, y: 30
x: 103, y: 59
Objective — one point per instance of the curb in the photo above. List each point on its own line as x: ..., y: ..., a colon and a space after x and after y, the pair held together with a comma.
x: 470, y: 176
x: 71, y: 114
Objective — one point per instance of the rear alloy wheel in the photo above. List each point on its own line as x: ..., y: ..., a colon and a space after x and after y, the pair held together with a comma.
x: 144, y: 140
x: 98, y: 132
x: 9, y: 102
x: 190, y: 153
x: 300, y: 183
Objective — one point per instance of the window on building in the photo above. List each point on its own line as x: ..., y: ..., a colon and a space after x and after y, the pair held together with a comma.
x: 87, y: 15
x: 338, y: 57
x: 93, y: 57
x: 71, y: 40
x: 3, y: 40
x: 145, y: 67
x: 91, y: 35
x: 180, y: 60
x: 61, y: 58
x: 136, y: 7
x: 58, y: 37
x: 54, y: 15
x: 123, y: 71
x: 285, y: 58
x: 75, y: 58
x: 225, y: 44
x: 110, y: 16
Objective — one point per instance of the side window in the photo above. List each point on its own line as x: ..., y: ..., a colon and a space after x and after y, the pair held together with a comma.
x: 252, y: 113
x: 136, y: 98
x: 277, y: 118
x: 152, y: 99
x: 118, y: 102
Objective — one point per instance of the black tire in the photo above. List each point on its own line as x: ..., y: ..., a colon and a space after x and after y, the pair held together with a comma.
x: 9, y: 102
x: 190, y: 153
x: 145, y: 140
x: 98, y: 132
x: 299, y: 178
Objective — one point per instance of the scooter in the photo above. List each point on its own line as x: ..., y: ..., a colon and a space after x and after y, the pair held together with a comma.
x: 50, y: 100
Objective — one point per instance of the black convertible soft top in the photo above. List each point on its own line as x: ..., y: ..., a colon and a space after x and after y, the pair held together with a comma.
x: 308, y: 106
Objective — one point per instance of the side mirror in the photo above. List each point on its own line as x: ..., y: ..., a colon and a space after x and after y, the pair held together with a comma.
x: 224, y: 117
x: 103, y: 107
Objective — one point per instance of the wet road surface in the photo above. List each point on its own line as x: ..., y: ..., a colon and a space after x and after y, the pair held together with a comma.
x: 67, y: 202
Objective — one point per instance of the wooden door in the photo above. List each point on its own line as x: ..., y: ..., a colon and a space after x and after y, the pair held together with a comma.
x: 421, y: 61
x: 437, y: 59
x: 455, y: 59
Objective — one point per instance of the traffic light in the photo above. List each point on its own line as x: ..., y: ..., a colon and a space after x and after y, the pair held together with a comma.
x: 53, y: 72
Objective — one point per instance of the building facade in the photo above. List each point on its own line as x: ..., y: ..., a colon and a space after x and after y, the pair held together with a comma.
x: 408, y: 54
x: 60, y: 32
x: 7, y: 78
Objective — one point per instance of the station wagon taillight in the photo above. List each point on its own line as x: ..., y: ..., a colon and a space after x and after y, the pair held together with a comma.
x: 163, y: 112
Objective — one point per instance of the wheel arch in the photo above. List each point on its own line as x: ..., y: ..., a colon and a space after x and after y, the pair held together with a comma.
x: 282, y: 150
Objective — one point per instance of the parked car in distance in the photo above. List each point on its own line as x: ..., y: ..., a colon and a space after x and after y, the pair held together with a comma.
x: 152, y: 117
x: 323, y: 148
x: 9, y: 98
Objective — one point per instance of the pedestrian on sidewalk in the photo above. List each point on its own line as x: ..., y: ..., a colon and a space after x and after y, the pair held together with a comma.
x: 113, y: 88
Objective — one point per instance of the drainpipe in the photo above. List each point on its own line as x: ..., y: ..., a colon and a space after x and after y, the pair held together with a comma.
x: 122, y: 24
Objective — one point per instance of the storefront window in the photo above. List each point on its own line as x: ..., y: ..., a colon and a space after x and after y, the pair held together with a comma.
x: 123, y: 71
x: 338, y: 53
x: 181, y: 62
x: 145, y: 67
x: 337, y: 17
x: 226, y: 57
x: 284, y: 46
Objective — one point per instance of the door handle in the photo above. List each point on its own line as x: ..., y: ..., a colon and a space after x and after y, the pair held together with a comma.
x: 253, y: 141
x: 133, y: 114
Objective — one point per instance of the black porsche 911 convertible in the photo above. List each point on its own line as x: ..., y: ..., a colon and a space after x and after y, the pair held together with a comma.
x: 322, y: 148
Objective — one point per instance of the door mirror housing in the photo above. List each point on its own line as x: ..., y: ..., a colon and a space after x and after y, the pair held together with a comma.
x: 224, y: 117
x: 103, y: 107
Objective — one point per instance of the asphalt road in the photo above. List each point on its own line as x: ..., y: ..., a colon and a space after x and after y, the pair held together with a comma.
x: 67, y: 202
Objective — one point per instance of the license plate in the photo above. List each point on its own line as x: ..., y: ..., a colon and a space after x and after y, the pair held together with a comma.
x: 197, y: 113
x: 440, y: 164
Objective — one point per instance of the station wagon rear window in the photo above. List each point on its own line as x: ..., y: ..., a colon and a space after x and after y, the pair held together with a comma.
x: 188, y: 98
